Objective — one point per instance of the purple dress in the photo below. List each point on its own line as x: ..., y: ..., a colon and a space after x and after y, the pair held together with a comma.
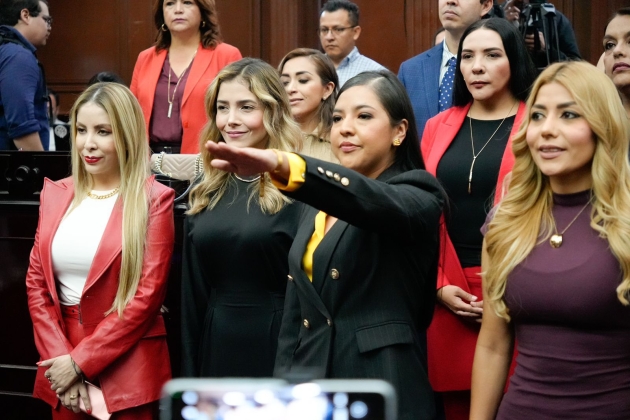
x: 572, y: 333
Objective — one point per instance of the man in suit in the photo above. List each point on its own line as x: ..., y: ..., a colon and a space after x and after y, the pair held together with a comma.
x: 423, y: 74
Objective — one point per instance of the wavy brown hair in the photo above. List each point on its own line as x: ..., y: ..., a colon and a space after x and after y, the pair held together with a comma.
x: 283, y: 134
x: 209, y: 29
x: 523, y: 218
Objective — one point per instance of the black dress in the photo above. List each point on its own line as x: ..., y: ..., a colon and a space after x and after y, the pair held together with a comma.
x: 233, y: 285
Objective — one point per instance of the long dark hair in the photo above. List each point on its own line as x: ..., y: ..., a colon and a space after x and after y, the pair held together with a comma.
x: 394, y: 99
x: 522, y: 69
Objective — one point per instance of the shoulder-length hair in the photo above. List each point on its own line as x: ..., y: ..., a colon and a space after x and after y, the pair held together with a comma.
x: 132, y: 147
x: 522, y: 69
x: 327, y: 73
x: 523, y: 218
x: 283, y: 133
x: 210, y: 29
x: 394, y: 99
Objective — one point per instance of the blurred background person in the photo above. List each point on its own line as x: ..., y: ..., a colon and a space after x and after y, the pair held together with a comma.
x: 516, y: 11
x: 616, y: 56
x: 468, y: 148
x: 310, y: 81
x: 24, y: 26
x: 556, y: 260
x: 362, y: 269
x: 238, y: 233
x: 170, y: 79
x: 99, y: 266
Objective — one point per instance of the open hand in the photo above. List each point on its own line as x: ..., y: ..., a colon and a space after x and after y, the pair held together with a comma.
x: 244, y: 161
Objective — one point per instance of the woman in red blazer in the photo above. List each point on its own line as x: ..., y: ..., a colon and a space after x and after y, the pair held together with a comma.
x: 99, y: 265
x: 468, y: 149
x: 170, y: 79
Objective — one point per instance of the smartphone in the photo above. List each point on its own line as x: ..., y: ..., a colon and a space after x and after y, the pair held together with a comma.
x: 271, y: 399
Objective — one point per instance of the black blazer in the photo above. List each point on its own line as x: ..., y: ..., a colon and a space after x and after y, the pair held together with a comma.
x: 374, y: 279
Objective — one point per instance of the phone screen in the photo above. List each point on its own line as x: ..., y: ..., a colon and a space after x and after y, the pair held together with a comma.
x: 308, y: 401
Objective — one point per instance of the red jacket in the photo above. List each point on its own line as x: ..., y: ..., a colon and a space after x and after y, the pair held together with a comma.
x: 205, y: 67
x: 450, y: 341
x: 128, y: 356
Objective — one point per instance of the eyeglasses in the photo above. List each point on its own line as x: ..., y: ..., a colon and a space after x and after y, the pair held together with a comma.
x: 323, y: 31
x: 48, y: 20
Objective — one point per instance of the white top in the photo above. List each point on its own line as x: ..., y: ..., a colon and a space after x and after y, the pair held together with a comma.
x: 75, y: 243
x: 446, y: 55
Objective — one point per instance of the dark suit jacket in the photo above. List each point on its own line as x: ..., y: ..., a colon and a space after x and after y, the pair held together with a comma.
x: 128, y: 356
x: 421, y: 77
x: 374, y: 278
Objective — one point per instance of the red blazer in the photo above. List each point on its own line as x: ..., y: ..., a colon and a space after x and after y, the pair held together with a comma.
x: 129, y: 356
x: 450, y: 341
x: 205, y: 67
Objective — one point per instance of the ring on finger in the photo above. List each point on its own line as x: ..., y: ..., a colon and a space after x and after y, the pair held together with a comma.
x: 73, y: 397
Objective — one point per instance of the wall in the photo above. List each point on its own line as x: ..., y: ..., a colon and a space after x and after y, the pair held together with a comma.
x: 97, y: 35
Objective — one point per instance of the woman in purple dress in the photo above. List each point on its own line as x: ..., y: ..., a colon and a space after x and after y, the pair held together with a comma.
x: 556, y: 260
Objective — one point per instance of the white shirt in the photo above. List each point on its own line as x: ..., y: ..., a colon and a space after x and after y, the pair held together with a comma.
x: 446, y: 55
x: 355, y: 63
x: 75, y: 243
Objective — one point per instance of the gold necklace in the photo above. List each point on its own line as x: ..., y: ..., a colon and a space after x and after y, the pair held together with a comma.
x: 168, y: 87
x: 104, y: 196
x: 556, y: 239
x: 472, y: 144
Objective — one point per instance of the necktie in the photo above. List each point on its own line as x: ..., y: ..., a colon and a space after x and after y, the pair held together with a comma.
x: 446, y: 87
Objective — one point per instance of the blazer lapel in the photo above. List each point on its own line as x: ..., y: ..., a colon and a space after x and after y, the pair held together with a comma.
x: 447, y: 131
x: 150, y: 79
x: 54, y: 210
x: 324, y: 252
x: 109, y: 247
x: 199, y: 66
x: 431, y: 77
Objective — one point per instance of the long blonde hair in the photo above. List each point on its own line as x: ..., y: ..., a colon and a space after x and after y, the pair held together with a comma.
x: 283, y: 134
x: 132, y: 147
x: 523, y: 218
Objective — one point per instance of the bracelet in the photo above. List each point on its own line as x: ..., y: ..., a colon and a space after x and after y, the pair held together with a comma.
x: 74, y: 366
x: 158, y: 165
x: 280, y: 157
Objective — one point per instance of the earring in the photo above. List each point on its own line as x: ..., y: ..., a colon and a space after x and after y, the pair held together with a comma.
x: 324, y: 98
x: 203, y: 24
x: 397, y: 142
x: 164, y: 28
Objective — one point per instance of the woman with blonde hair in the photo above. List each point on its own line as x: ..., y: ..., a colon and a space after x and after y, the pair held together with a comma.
x: 556, y: 261
x: 238, y: 232
x: 98, y: 269
x: 310, y: 79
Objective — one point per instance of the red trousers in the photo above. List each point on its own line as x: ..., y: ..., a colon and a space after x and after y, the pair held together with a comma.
x: 74, y: 333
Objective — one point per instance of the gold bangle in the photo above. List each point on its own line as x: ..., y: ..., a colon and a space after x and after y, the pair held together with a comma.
x: 280, y: 157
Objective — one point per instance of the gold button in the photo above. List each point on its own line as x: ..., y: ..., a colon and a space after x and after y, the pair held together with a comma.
x: 337, y: 177
x: 307, y: 324
x: 334, y: 273
x: 329, y: 322
x: 320, y: 169
x: 345, y: 181
x: 303, y: 175
x: 329, y: 174
x: 289, y: 277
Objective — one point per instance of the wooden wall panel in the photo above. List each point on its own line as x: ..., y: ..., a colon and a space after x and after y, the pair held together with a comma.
x: 110, y: 33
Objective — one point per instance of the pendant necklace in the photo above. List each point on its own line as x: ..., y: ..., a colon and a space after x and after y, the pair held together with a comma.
x: 556, y: 239
x: 168, y: 87
x: 249, y: 181
x: 472, y: 144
